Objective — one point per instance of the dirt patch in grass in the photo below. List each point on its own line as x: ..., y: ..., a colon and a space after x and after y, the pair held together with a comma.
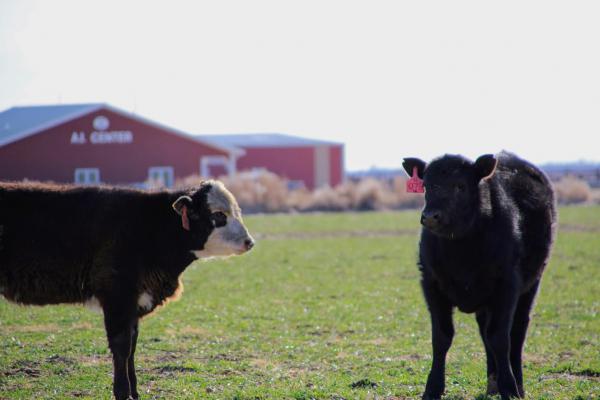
x: 30, y: 328
x: 226, y: 357
x: 377, y: 341
x: 172, y: 370
x: 584, y: 374
x: 577, y: 228
x: 535, y: 358
x: 24, y: 368
x: 56, y: 359
x: 94, y: 360
x: 261, y: 363
x: 409, y: 357
x: 190, y: 331
x: 81, y: 393
x: 82, y: 325
x: 335, y: 234
x: 569, y: 377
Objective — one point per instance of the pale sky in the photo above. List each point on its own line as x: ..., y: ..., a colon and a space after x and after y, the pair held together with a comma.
x: 388, y: 78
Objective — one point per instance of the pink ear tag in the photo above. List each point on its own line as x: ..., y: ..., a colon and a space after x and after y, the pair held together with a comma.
x: 185, y: 222
x: 415, y: 184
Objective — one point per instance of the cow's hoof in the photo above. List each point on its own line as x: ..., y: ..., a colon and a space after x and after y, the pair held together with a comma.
x: 492, y: 385
x: 429, y: 396
x: 510, y: 395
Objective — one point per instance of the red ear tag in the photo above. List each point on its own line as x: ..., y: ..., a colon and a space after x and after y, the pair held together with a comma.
x: 415, y: 184
x: 185, y: 222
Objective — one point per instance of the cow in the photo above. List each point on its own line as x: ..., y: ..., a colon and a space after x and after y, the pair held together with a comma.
x: 487, y: 232
x: 123, y: 250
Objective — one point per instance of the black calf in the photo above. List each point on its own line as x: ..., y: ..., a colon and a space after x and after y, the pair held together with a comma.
x: 488, y: 228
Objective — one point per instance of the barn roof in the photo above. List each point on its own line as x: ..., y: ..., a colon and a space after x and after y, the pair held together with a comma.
x: 19, y: 122
x: 247, y: 140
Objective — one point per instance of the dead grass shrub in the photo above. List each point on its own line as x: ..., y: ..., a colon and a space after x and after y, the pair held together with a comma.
x: 371, y: 194
x: 595, y: 196
x: 264, y: 191
x: 261, y: 191
x: 572, y: 190
x: 187, y: 182
x: 326, y: 199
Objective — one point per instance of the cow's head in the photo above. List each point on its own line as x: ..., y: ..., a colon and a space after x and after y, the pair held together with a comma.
x: 452, y: 193
x: 212, y: 215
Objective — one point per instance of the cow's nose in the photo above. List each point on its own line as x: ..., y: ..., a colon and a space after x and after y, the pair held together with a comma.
x: 431, y: 218
x: 249, y: 243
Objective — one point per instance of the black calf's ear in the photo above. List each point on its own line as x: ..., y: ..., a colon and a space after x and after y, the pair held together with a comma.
x: 485, y: 166
x: 183, y: 201
x: 410, y: 163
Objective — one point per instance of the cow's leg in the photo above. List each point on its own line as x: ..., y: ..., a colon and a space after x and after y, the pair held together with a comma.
x: 119, y: 320
x: 502, y: 310
x: 518, y: 334
x: 442, y: 332
x: 131, y: 362
x: 492, y: 385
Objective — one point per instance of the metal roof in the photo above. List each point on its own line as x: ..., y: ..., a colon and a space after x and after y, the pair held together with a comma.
x: 265, y: 140
x: 17, y: 123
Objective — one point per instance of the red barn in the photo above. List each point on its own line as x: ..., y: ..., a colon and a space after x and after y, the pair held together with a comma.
x: 311, y: 162
x: 92, y: 143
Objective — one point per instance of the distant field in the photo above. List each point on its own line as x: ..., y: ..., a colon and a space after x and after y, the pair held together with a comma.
x: 327, y: 306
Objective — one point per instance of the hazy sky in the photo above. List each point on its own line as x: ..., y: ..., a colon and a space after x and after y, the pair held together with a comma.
x: 388, y: 78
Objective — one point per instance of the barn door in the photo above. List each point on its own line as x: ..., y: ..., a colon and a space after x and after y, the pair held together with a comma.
x: 214, y: 166
x: 322, y: 172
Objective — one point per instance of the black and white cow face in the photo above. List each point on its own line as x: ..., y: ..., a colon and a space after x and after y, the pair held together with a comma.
x: 212, y: 213
x: 452, y: 196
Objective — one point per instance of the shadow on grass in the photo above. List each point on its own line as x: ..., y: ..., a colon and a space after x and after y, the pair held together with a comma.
x: 481, y: 396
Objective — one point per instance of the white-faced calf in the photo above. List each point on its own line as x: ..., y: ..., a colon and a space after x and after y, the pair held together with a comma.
x: 488, y: 227
x: 122, y: 250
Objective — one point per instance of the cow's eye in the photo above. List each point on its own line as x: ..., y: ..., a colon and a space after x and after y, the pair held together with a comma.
x: 219, y: 219
x: 459, y: 187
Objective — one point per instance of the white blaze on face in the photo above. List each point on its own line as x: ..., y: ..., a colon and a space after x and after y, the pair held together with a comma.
x: 232, y: 238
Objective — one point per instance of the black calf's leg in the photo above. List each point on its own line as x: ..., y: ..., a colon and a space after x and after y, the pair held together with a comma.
x: 131, y: 363
x: 442, y: 332
x: 502, y: 311
x: 518, y: 334
x: 119, y: 323
x: 492, y: 385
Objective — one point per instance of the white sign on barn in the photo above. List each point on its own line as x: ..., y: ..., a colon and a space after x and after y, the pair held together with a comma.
x: 101, y: 135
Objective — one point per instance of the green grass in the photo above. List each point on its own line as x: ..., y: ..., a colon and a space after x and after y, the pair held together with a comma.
x: 323, y: 302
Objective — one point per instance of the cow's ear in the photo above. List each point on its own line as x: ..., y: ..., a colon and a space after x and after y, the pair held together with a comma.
x: 181, y: 203
x: 409, y: 165
x: 485, y: 166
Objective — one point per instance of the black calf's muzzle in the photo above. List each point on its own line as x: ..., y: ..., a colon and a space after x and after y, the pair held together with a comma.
x: 431, y: 218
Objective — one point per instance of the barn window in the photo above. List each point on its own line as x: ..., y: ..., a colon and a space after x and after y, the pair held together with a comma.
x: 216, y: 165
x: 161, y: 175
x: 87, y: 176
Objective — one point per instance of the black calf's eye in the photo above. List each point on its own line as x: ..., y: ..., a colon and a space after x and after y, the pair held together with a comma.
x: 459, y: 187
x: 219, y: 219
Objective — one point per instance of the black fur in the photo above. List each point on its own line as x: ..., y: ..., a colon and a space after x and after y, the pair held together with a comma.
x: 62, y: 244
x: 488, y: 230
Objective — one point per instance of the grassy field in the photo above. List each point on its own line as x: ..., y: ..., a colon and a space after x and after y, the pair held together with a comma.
x: 326, y: 307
